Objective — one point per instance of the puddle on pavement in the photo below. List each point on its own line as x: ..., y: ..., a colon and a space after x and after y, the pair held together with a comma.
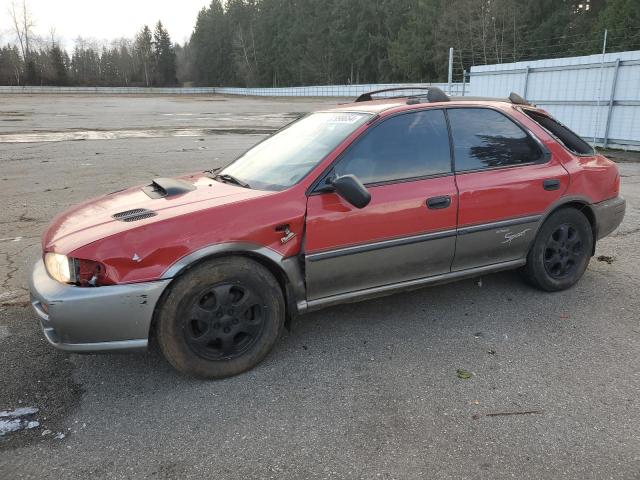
x: 66, y: 136
x: 13, y: 114
x: 243, y: 124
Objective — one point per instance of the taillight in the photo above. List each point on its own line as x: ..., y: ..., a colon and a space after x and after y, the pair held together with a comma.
x: 90, y: 273
x: 616, y: 185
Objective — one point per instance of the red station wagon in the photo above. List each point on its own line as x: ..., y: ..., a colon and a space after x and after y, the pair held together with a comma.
x: 362, y: 200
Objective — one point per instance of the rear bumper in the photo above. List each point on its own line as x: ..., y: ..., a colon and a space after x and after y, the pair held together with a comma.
x: 609, y: 215
x: 102, y: 319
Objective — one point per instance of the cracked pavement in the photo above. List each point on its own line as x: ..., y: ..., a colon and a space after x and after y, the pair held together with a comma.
x: 367, y: 390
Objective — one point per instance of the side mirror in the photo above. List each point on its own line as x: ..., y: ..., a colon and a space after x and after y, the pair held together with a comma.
x: 352, y: 190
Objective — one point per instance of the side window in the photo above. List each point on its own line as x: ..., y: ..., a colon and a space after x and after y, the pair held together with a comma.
x: 405, y: 146
x: 568, y: 138
x: 484, y: 138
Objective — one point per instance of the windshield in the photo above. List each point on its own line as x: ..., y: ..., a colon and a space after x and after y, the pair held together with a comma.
x: 285, y: 158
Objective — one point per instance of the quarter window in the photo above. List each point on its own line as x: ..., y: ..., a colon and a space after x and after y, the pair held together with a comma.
x: 484, y: 138
x: 405, y: 146
x: 569, y: 139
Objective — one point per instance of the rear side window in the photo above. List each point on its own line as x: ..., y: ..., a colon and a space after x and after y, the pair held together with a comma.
x: 484, y: 138
x: 568, y: 138
x: 405, y: 146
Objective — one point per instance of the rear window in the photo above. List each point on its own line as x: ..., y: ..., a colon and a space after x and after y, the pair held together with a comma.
x: 568, y: 138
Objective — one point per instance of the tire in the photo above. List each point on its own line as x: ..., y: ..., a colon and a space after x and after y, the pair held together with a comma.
x: 220, y: 318
x: 561, y: 251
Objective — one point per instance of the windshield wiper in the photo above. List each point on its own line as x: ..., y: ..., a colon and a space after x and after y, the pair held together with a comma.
x: 225, y: 177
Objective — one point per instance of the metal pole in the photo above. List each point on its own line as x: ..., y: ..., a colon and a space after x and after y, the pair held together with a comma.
x: 604, y: 49
x: 526, y: 83
x: 464, y: 81
x: 605, y: 140
x: 450, y: 77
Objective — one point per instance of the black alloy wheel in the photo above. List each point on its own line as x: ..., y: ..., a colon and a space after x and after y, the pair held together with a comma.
x: 563, y: 251
x: 221, y: 317
x: 224, y: 321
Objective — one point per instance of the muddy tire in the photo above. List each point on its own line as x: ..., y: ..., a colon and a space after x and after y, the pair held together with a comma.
x: 561, y: 251
x: 220, y: 318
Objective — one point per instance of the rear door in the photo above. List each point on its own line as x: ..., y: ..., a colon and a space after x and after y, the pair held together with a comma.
x: 506, y: 181
x: 408, y: 229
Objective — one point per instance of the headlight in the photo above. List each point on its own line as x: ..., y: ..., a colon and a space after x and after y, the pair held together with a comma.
x: 60, y: 267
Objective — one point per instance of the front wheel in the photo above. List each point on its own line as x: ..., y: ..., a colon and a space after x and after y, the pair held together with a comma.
x: 561, y: 251
x: 220, y: 318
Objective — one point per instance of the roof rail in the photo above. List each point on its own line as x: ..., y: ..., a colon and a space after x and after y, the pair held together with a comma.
x: 513, y: 98
x: 434, y: 94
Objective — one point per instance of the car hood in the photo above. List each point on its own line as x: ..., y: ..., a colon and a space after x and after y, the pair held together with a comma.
x: 94, y: 219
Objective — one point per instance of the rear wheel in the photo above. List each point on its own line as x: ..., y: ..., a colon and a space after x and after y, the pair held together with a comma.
x: 221, y: 318
x: 561, y: 251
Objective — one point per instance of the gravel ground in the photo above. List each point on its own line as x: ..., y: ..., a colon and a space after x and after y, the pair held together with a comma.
x: 366, y: 390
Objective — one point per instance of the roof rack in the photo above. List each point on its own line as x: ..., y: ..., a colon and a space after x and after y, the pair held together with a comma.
x: 433, y: 94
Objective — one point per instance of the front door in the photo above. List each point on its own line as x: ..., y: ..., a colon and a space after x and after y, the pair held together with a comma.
x: 408, y: 229
x: 506, y: 181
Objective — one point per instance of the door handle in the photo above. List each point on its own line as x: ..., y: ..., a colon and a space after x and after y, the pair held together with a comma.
x: 436, y: 203
x: 551, y: 184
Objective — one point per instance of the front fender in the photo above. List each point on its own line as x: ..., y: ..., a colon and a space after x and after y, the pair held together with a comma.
x: 287, y: 269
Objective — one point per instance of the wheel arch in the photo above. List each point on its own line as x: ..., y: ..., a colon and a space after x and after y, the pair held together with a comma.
x: 578, y: 203
x: 287, y: 272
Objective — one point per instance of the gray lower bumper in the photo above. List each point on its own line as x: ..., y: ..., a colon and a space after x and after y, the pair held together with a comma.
x: 609, y: 215
x: 101, y: 319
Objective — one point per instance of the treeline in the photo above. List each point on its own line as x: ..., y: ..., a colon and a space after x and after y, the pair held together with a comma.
x: 147, y: 60
x: 303, y: 42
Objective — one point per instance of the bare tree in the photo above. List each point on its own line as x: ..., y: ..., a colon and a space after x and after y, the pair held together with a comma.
x: 23, y: 24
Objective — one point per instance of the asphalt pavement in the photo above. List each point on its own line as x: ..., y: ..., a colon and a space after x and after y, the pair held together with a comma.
x: 367, y: 390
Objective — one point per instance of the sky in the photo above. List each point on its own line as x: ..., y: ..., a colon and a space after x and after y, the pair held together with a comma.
x: 103, y: 20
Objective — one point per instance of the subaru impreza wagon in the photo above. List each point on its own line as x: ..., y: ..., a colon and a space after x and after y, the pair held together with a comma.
x: 362, y: 200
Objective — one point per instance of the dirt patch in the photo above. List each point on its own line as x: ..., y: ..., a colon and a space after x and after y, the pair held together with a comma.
x: 606, y: 259
x: 621, y: 156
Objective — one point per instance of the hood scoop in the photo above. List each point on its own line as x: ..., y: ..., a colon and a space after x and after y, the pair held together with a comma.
x: 168, y: 187
x: 134, y: 215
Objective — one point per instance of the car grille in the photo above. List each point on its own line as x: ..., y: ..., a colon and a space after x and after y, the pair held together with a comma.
x: 134, y: 215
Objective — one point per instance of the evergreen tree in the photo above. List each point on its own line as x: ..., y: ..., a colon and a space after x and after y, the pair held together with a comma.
x: 59, y: 66
x: 622, y: 19
x: 11, y: 66
x: 165, y: 57
x: 145, y: 56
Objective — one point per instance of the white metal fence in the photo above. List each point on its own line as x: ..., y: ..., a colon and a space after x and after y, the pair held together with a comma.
x: 109, y: 90
x: 598, y: 96
x: 351, y: 91
x: 310, y: 91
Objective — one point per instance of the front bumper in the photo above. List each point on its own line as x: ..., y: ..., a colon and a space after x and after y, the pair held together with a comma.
x: 609, y: 215
x: 100, y: 319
